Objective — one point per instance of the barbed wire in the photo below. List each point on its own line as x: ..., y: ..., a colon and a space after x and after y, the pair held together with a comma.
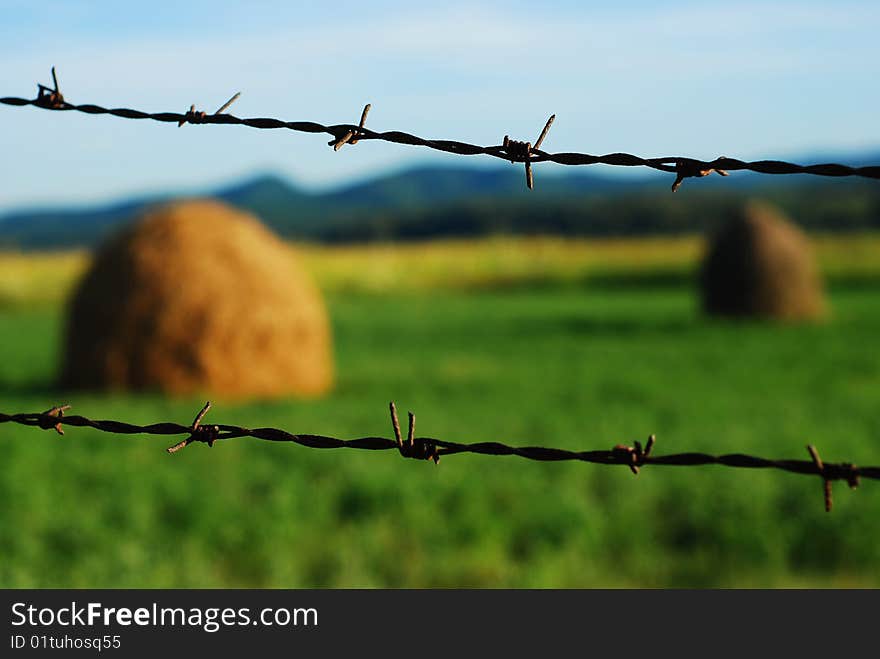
x: 428, y: 448
x: 513, y: 150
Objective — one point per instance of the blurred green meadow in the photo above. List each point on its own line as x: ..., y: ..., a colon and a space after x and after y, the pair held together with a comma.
x: 568, y: 343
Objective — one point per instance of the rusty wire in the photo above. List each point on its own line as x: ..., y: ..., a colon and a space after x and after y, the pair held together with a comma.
x: 513, y: 150
x: 428, y: 448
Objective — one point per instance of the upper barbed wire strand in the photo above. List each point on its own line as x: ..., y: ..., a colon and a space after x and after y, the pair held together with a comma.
x: 683, y: 167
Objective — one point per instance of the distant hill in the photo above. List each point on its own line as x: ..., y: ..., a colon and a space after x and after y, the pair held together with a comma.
x: 424, y: 202
x: 296, y: 213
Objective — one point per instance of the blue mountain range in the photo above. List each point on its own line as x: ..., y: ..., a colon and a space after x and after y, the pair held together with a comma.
x: 424, y: 202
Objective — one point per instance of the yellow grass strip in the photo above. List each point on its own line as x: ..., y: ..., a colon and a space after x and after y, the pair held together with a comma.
x: 46, y: 278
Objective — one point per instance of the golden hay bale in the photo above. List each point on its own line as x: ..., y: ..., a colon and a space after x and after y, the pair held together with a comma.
x: 198, y: 297
x: 760, y: 264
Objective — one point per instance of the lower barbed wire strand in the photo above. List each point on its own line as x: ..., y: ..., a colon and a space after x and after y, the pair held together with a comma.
x: 445, y: 447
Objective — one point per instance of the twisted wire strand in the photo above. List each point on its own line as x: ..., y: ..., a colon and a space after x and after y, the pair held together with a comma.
x: 342, y: 133
x: 429, y: 448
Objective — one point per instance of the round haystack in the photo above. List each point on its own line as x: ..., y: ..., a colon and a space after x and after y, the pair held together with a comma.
x: 760, y: 264
x: 198, y: 297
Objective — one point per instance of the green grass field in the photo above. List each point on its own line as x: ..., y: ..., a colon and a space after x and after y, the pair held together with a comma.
x: 557, y: 359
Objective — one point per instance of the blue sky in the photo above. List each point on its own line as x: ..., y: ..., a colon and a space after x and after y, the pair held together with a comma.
x: 745, y: 79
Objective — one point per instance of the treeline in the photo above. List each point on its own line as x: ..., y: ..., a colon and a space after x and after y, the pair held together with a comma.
x: 831, y: 207
x: 401, y: 208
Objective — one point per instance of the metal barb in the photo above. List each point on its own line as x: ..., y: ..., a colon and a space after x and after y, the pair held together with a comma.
x: 201, y: 415
x: 545, y: 131
x: 354, y: 139
x: 226, y: 105
x: 198, y: 432
x: 56, y: 412
x: 180, y: 445
x: 421, y: 449
x: 826, y: 482
x: 338, y: 144
x: 689, y: 169
x: 50, y: 98
x: 395, y: 424
x: 522, y: 151
x: 192, y: 117
x: 352, y: 136
x: 634, y: 456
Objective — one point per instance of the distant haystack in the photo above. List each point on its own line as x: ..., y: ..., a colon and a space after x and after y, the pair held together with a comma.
x: 760, y: 264
x: 198, y: 297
